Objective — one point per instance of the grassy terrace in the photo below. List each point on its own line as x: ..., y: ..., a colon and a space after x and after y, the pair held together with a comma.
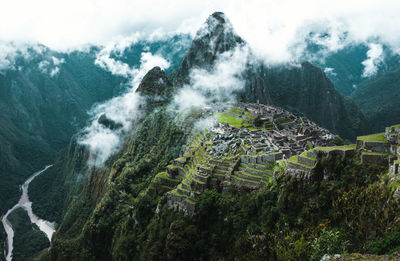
x: 345, y: 147
x: 164, y: 175
x: 304, y: 155
x: 377, y: 153
x: 378, y: 137
x: 231, y: 120
x: 294, y: 160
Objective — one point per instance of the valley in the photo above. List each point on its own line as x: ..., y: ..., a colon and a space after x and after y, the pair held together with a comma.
x: 45, y: 226
x: 206, y: 142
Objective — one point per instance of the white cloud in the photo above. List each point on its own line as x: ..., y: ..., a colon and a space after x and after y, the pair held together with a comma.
x: 101, y: 140
x: 330, y: 71
x: 271, y: 27
x: 217, y: 85
x: 373, y: 61
x: 10, y: 51
x: 51, y: 65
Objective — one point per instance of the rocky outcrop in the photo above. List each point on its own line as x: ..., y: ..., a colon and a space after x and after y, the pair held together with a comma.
x: 108, y: 123
x: 216, y: 36
x: 155, y: 84
x: 155, y: 89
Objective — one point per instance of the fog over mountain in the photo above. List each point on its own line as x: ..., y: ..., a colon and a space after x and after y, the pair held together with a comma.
x: 199, y: 130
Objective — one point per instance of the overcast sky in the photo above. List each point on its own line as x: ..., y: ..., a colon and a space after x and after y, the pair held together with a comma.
x: 269, y: 26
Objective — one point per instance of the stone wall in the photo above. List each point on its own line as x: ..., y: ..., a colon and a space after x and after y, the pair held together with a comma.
x: 373, y: 146
x: 378, y: 159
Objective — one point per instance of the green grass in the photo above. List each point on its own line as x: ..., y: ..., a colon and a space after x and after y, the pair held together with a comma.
x: 378, y: 153
x: 378, y: 137
x: 163, y: 175
x: 181, y: 160
x: 252, y: 175
x: 304, y: 155
x: 231, y: 120
x: 175, y: 191
x: 244, y: 179
x: 344, y: 147
x: 294, y: 160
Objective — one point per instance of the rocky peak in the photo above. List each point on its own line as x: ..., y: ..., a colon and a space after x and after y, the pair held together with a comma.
x: 155, y: 83
x: 216, y: 36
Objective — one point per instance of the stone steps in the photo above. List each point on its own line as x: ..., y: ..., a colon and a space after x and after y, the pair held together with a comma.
x: 262, y: 167
x: 185, y: 185
x: 306, y: 160
x: 221, y: 163
x: 219, y: 176
x: 182, y: 191
x: 245, y: 182
x: 248, y: 176
x: 251, y: 170
x: 220, y: 171
x: 223, y: 167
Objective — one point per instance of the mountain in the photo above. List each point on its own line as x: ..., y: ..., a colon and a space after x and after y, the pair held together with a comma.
x: 45, y: 98
x: 265, y: 183
x: 315, y: 96
x: 41, y: 112
x: 235, y: 192
x: 215, y: 37
x: 378, y: 98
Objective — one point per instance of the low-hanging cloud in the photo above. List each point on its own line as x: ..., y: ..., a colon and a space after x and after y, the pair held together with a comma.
x: 271, y: 27
x: 371, y: 64
x: 10, y: 52
x: 51, y: 66
x: 216, y: 85
x: 102, y: 140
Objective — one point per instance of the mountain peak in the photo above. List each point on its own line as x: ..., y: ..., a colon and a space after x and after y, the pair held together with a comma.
x: 215, y: 37
x: 154, y: 83
x: 215, y: 23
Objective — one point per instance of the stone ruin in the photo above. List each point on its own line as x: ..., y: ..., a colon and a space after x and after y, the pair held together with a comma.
x: 249, y: 144
x: 235, y: 156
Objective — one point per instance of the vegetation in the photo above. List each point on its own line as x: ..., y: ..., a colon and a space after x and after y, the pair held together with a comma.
x: 231, y: 120
x: 378, y: 137
x: 28, y: 239
x: 298, y: 221
x: 344, y: 147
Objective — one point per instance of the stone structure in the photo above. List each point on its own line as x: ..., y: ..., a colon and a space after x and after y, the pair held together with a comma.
x: 239, y: 153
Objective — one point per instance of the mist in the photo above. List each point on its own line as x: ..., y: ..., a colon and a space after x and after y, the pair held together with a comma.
x: 215, y: 85
x: 102, y: 140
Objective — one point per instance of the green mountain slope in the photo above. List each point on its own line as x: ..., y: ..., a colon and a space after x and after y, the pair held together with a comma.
x: 267, y: 184
x: 378, y: 98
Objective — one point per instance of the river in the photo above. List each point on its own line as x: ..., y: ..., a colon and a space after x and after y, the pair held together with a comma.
x: 24, y: 202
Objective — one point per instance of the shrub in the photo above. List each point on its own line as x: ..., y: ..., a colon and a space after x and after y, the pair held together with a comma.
x: 329, y: 242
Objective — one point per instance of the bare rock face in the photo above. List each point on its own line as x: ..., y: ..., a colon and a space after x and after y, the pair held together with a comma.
x: 108, y: 123
x: 215, y: 37
x: 155, y: 83
x: 155, y: 88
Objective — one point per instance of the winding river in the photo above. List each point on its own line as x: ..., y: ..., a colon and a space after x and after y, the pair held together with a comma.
x: 24, y: 202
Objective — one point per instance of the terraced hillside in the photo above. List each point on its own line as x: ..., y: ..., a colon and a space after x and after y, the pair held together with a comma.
x: 240, y: 152
x: 250, y: 144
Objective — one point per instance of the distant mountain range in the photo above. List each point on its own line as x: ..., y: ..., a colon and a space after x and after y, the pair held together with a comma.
x: 45, y: 100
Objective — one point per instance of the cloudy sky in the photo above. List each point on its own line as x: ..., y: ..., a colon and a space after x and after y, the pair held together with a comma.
x: 268, y: 25
x: 275, y: 30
